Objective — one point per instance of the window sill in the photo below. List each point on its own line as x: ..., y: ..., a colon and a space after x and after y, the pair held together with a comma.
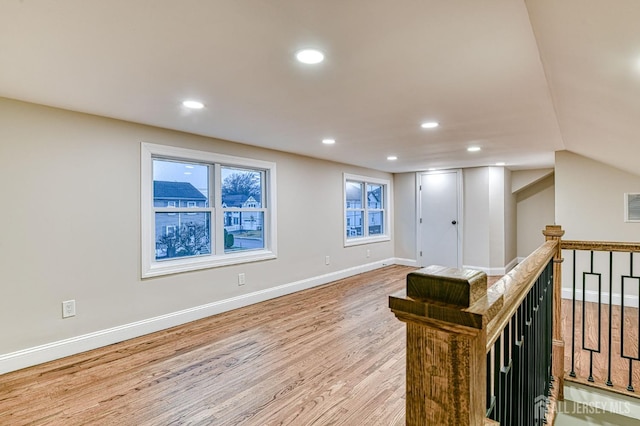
x: 176, y: 266
x: 366, y: 240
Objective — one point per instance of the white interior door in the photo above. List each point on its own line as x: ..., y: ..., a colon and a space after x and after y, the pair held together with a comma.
x: 440, y: 227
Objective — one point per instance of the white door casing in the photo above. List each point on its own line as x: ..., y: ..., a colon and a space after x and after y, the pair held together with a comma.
x: 439, y: 218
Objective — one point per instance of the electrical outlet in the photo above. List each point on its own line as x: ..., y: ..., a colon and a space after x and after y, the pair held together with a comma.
x: 326, y: 260
x: 368, y: 253
x: 68, y: 308
x: 241, y: 279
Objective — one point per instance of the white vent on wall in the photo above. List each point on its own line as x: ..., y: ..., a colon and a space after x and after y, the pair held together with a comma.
x: 632, y: 207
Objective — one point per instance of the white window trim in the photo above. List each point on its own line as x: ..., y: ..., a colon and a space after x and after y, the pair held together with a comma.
x: 151, y: 267
x: 354, y: 241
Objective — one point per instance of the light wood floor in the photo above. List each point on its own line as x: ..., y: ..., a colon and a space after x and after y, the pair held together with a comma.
x: 333, y: 355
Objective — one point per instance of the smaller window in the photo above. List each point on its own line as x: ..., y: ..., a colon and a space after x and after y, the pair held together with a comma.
x: 366, y: 211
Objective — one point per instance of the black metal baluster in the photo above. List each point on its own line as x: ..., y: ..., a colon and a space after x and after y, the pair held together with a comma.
x: 572, y: 373
x: 497, y: 389
x: 515, y: 369
x: 490, y: 396
x: 549, y: 337
x: 519, y: 368
x: 528, y: 340
x: 533, y: 350
x: 550, y: 293
x: 609, y: 382
x: 506, y: 372
x: 539, y: 358
x: 550, y: 324
x: 584, y: 316
x: 543, y: 372
x: 630, y: 358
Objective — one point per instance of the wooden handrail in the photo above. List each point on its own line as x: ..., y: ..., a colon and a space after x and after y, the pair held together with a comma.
x: 600, y: 246
x: 514, y: 288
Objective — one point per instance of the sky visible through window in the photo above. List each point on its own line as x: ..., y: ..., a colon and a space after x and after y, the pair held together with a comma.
x: 175, y: 171
x: 193, y: 173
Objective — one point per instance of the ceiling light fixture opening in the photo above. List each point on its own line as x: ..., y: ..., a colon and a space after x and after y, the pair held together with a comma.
x: 429, y: 125
x: 392, y: 158
x: 473, y: 149
x: 193, y: 104
x: 501, y: 163
x: 328, y: 141
x: 310, y: 56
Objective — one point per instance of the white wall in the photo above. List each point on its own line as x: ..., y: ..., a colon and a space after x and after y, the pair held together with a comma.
x: 489, y: 220
x: 590, y: 199
x: 70, y: 185
x: 405, y: 209
x: 510, y: 221
x: 476, y: 217
x: 535, y: 210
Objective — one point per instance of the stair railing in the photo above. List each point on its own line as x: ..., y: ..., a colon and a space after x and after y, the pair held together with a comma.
x: 478, y: 355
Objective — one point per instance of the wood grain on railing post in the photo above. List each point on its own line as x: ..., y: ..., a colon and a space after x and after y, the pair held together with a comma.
x: 446, y: 311
x: 555, y: 232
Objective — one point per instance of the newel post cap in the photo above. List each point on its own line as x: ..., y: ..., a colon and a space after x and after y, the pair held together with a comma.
x: 451, y: 286
x: 551, y: 231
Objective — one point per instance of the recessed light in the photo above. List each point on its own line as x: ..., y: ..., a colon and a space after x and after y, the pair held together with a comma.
x: 193, y: 104
x: 310, y: 56
x: 429, y: 125
x: 187, y: 173
x: 328, y: 141
x: 432, y: 169
x: 188, y: 167
x: 500, y: 163
x: 473, y: 149
x: 392, y: 158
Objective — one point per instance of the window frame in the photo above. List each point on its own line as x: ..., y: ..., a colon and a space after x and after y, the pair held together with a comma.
x: 152, y: 267
x: 386, y: 210
x: 627, y: 216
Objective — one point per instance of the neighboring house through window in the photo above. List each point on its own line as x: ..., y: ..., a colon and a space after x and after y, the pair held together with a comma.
x: 366, y: 209
x: 201, y: 210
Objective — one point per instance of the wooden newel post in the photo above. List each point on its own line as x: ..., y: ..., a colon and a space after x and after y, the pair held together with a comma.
x: 555, y: 232
x: 444, y: 309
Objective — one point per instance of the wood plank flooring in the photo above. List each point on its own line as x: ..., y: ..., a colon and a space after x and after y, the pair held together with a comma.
x: 333, y: 355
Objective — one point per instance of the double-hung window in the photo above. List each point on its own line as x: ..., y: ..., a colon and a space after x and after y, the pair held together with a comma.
x: 202, y: 210
x: 366, y: 209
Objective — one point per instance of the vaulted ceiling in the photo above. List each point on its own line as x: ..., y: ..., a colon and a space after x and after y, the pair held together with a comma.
x: 519, y: 79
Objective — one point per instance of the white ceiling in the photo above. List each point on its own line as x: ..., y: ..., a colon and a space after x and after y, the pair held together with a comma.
x: 520, y: 83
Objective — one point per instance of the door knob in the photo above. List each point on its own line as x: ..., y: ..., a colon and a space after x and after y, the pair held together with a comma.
x: 453, y: 222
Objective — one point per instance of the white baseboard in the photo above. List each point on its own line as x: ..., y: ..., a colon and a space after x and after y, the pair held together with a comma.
x: 62, y: 348
x: 592, y: 296
x: 514, y: 262
x: 406, y: 262
x: 495, y: 271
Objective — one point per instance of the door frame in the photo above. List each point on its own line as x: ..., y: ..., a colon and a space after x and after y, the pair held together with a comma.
x: 460, y: 206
